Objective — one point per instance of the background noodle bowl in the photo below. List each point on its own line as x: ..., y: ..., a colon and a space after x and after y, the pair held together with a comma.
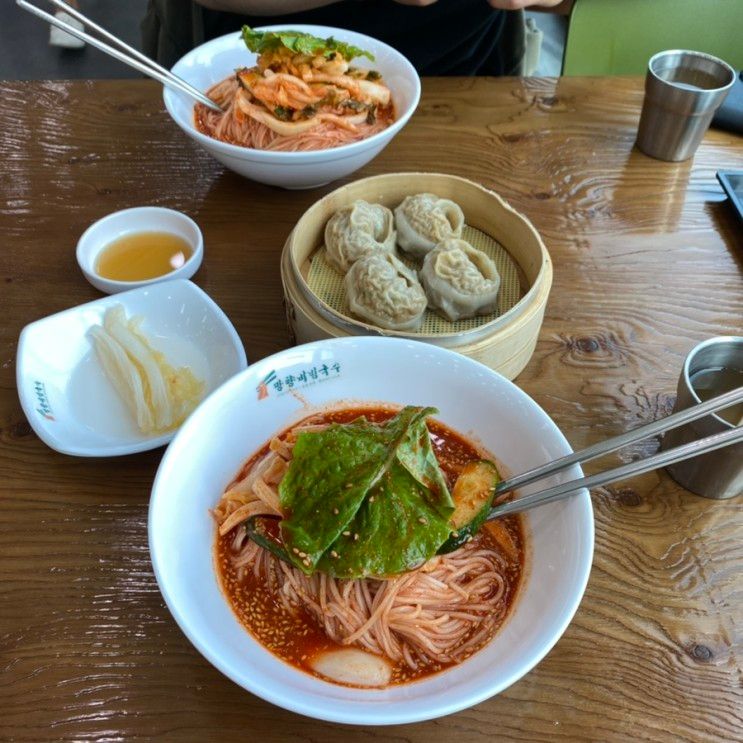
x: 215, y: 60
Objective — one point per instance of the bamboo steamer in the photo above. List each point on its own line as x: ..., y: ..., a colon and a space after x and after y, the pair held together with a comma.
x: 505, y: 343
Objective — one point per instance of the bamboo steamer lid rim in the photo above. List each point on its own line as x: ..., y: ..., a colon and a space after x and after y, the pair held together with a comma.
x: 536, y: 295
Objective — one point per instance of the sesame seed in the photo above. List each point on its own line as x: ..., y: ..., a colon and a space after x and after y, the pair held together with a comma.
x: 346, y: 533
x: 355, y: 537
x: 422, y: 520
x: 336, y: 511
x: 295, y: 550
x: 371, y: 499
x: 333, y: 553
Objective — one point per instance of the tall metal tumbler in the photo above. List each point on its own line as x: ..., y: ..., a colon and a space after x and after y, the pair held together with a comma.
x: 683, y: 89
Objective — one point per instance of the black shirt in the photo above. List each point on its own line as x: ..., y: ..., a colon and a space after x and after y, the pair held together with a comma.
x: 449, y: 37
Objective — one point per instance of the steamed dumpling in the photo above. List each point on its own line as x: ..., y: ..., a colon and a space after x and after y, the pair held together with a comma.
x: 460, y: 281
x: 357, y: 230
x: 424, y: 220
x: 384, y: 291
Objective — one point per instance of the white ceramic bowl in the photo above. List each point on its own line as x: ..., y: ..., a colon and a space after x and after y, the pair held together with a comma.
x: 217, y: 59
x: 130, y: 221
x: 231, y: 424
x: 64, y: 392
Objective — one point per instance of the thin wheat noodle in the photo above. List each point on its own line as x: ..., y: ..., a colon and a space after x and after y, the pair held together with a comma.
x: 418, y: 618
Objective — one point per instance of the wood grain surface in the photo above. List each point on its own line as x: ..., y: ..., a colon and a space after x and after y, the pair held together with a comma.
x: 648, y: 262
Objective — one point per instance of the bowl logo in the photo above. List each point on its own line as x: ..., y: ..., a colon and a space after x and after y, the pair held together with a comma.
x: 262, y: 388
x: 303, y: 378
x: 44, y: 409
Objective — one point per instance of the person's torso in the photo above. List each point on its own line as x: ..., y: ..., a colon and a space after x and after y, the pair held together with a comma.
x: 449, y: 37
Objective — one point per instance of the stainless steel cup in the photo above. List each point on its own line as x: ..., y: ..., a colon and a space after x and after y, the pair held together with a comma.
x: 683, y: 89
x: 720, y: 473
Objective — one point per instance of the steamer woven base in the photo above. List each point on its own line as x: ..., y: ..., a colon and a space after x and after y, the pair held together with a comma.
x: 327, y: 284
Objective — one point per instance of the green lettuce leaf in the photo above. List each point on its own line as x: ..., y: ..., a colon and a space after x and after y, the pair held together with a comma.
x: 415, y: 453
x: 299, y: 42
x: 331, y: 471
x: 398, y: 529
x: 364, y: 499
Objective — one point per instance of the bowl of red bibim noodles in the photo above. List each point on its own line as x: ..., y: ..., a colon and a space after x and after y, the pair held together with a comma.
x: 318, y: 530
x: 301, y: 105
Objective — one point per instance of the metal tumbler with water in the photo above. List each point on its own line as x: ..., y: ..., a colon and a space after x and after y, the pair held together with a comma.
x: 711, y: 368
x: 683, y: 90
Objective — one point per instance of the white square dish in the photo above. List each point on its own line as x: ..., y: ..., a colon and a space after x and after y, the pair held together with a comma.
x: 64, y: 392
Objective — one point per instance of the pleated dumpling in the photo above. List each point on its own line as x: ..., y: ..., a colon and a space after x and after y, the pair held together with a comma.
x: 357, y: 230
x: 384, y: 291
x: 460, y: 281
x: 424, y: 220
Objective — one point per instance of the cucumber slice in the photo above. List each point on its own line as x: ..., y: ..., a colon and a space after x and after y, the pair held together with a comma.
x: 473, y: 497
x: 258, y: 528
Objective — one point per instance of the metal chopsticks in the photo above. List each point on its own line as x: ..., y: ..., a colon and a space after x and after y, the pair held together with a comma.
x: 129, y: 55
x: 662, y: 459
x: 617, y: 442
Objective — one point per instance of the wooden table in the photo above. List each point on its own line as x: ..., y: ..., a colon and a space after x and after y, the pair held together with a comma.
x: 648, y: 262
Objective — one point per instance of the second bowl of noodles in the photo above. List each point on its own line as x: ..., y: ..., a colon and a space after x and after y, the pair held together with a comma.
x: 369, y: 603
x: 301, y: 92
